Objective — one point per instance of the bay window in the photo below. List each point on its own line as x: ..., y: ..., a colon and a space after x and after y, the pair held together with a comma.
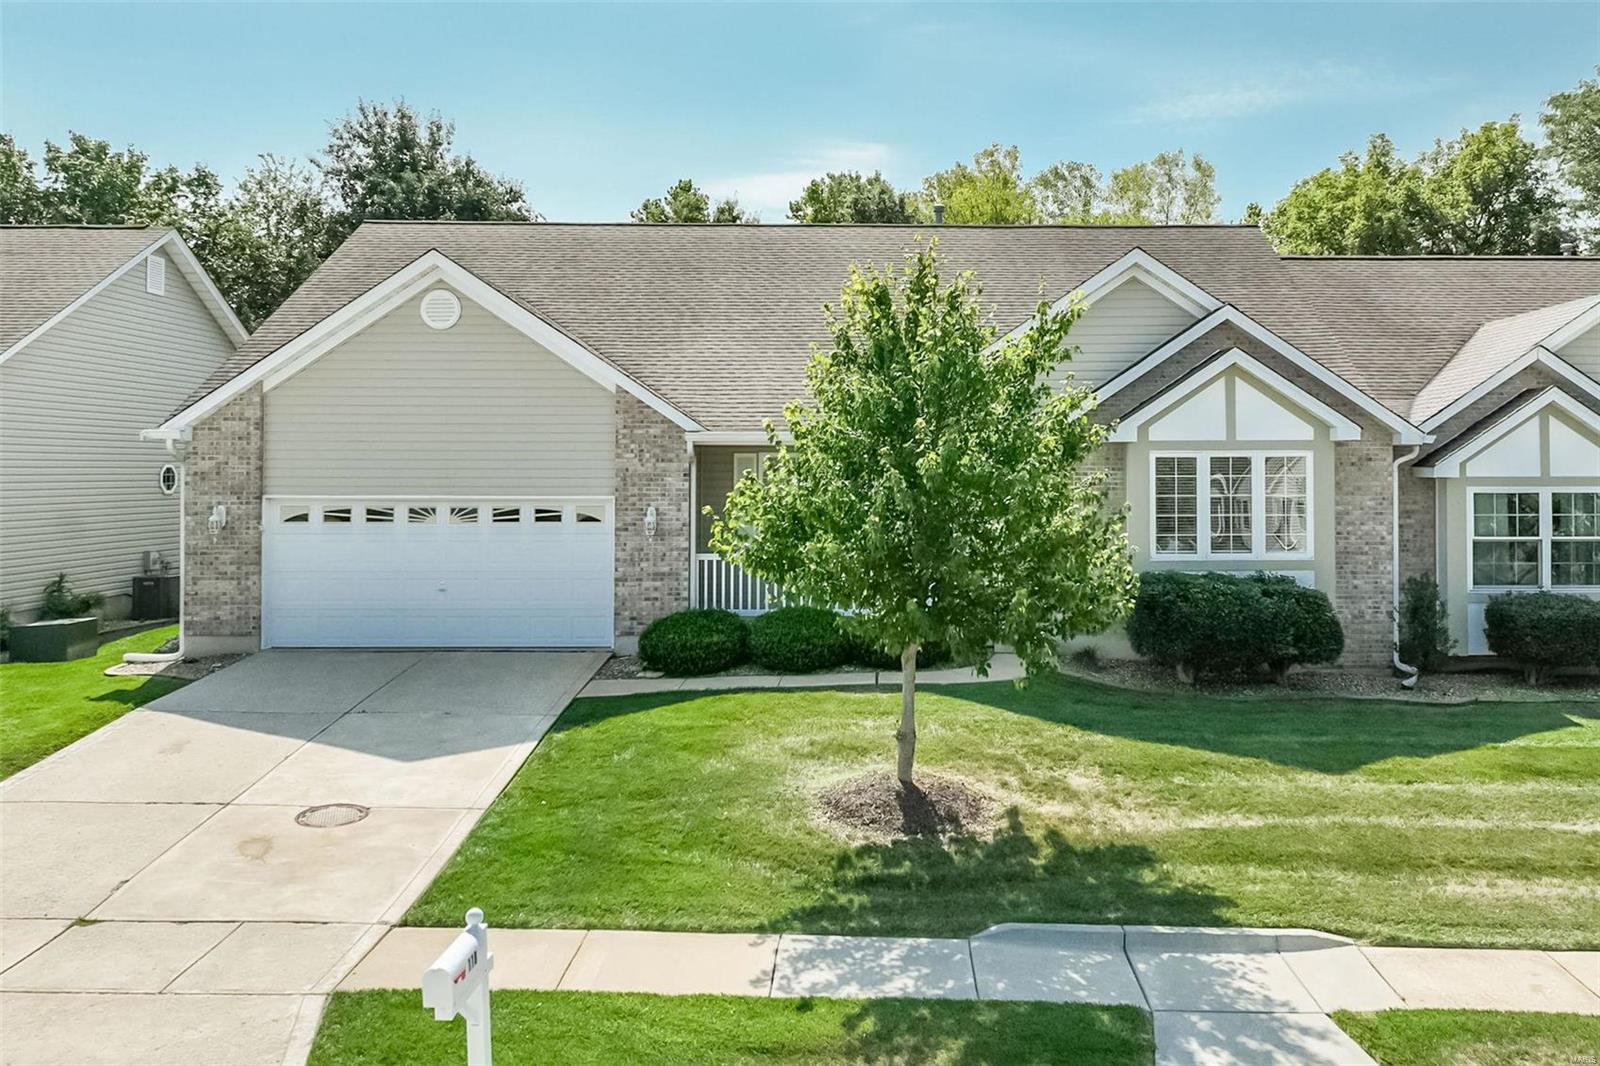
x: 1535, y: 538
x: 1231, y: 505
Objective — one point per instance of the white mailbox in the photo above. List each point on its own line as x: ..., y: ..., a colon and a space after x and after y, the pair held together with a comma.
x: 458, y: 984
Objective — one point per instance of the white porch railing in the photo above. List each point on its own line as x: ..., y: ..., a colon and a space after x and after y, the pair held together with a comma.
x: 719, y: 583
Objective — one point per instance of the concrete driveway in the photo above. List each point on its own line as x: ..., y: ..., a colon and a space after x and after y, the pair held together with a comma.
x: 221, y: 920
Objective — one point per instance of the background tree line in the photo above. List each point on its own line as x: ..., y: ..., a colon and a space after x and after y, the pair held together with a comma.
x: 1488, y: 191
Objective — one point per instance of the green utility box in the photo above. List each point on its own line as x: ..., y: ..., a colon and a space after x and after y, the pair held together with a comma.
x: 54, y: 641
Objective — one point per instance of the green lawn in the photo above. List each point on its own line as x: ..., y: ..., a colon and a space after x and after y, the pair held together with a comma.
x: 561, y: 1028
x: 1478, y: 1037
x: 46, y: 706
x: 1391, y: 823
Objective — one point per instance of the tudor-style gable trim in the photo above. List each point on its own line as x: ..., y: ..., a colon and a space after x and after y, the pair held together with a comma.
x: 429, y: 269
x: 1340, y: 427
x: 1137, y: 265
x: 1541, y: 355
x: 193, y: 272
x: 1447, y: 463
x: 1404, y: 431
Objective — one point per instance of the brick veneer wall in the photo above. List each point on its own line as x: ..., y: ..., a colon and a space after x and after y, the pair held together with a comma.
x: 1419, y: 541
x: 652, y: 468
x: 222, y: 571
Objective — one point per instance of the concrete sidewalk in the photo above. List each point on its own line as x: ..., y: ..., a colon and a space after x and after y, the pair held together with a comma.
x: 1218, y: 995
x: 1005, y: 667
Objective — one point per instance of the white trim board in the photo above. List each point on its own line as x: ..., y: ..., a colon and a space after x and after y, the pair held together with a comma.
x: 193, y: 272
x: 1340, y: 427
x: 1137, y: 265
x: 1577, y: 327
x: 1541, y: 355
x: 1404, y: 431
x: 1450, y: 465
x: 428, y: 269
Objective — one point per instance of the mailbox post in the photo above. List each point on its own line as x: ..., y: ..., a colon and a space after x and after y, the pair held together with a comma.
x: 458, y: 984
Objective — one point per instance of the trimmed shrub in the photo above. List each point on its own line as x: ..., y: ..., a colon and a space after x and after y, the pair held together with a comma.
x: 695, y: 642
x: 1425, y: 640
x: 1544, y: 630
x: 1316, y: 635
x: 797, y: 640
x: 1222, y: 623
x: 61, y: 600
x: 863, y: 652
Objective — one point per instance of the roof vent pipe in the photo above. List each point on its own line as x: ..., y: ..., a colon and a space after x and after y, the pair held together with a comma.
x: 1567, y: 247
x: 938, y: 214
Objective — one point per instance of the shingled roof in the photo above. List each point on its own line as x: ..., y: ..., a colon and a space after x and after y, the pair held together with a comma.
x: 45, y: 268
x: 719, y: 320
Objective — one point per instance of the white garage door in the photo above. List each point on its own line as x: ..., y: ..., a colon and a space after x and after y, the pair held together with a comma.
x: 460, y: 573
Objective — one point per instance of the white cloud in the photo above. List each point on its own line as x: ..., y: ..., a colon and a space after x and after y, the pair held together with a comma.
x: 768, y: 192
x: 1275, y: 91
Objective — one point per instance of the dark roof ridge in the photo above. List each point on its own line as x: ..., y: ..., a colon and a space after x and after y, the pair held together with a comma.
x: 825, y: 226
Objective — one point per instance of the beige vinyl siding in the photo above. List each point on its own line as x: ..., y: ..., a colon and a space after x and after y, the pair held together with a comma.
x: 1584, y: 352
x: 403, y: 409
x: 1119, y: 329
x: 78, y: 489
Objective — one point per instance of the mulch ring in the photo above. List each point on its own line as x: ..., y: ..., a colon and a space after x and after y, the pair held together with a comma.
x: 878, y: 806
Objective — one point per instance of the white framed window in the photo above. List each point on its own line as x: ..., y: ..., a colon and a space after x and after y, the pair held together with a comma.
x: 1530, y: 538
x: 167, y: 479
x: 1230, y: 505
x: 749, y: 463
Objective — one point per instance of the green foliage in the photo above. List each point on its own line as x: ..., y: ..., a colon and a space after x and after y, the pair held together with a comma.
x: 695, y: 642
x: 1168, y: 190
x: 848, y: 196
x: 685, y: 202
x: 1210, y: 623
x: 991, y: 192
x: 1483, y: 193
x: 1544, y: 630
x: 797, y: 640
x: 1571, y: 122
x: 5, y: 626
x: 932, y: 481
x: 61, y: 600
x: 276, y: 228
x: 1425, y: 640
x: 1315, y: 633
x: 864, y: 652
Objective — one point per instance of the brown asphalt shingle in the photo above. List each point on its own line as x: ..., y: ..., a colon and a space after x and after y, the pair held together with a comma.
x: 719, y: 320
x: 45, y: 268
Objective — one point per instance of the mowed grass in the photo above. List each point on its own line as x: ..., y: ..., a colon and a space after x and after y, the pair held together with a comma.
x: 46, y: 706
x: 1394, y: 824
x: 569, y: 1028
x: 1478, y: 1037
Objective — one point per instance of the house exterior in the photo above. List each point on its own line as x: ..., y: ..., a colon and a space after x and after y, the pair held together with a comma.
x: 504, y: 434
x: 102, y: 331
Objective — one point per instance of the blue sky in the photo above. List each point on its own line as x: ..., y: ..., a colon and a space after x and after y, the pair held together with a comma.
x: 594, y: 107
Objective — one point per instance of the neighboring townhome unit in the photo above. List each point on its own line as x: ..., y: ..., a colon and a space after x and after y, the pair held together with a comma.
x: 467, y: 434
x: 103, y: 329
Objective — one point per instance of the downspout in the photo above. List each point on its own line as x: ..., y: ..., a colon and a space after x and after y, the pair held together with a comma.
x: 183, y: 561
x: 1409, y: 672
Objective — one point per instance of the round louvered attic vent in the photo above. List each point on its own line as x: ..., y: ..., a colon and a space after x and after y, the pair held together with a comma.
x: 441, y: 309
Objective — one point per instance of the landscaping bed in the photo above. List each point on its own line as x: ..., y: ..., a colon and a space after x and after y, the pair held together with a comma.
x: 1478, y: 1037
x: 1388, y: 822
x: 567, y: 1028
x: 47, y: 706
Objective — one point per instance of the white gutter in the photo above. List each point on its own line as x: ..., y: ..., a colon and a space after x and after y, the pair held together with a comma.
x: 1410, y: 672
x: 183, y: 559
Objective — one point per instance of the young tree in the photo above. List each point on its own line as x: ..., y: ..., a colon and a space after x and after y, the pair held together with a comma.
x: 847, y: 196
x: 1571, y: 122
x: 991, y: 192
x: 686, y: 202
x: 389, y: 163
x: 932, y: 485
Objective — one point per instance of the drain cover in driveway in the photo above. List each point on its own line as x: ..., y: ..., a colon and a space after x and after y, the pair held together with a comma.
x: 329, y: 815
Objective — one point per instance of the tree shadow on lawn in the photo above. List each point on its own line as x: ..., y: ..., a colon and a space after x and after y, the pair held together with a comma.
x: 929, y: 887
x: 1328, y: 735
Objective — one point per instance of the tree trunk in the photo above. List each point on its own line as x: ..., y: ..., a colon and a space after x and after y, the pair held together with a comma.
x: 907, y: 734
